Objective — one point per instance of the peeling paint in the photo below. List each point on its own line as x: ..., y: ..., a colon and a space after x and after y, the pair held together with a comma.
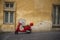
x: 42, y: 26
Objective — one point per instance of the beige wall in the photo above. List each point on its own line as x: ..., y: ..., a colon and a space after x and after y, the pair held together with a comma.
x: 36, y: 11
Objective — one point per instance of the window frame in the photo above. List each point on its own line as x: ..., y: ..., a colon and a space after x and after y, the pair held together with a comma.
x: 8, y: 17
x: 9, y: 9
x: 56, y: 14
x: 9, y: 4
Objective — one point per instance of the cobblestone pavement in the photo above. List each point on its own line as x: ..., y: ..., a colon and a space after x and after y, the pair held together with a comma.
x: 32, y: 36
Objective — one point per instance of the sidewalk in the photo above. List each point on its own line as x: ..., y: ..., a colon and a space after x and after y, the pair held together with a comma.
x: 33, y: 36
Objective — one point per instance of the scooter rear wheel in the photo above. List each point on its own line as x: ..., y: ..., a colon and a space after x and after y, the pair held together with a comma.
x: 28, y: 31
x: 16, y: 32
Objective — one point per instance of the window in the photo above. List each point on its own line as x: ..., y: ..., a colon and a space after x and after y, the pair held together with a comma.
x: 9, y: 12
x: 56, y: 15
x: 8, y: 16
x: 9, y: 4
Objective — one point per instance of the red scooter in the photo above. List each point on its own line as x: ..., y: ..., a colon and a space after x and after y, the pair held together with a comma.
x: 26, y: 28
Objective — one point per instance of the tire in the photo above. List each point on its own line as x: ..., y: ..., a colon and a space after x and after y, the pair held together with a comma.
x: 16, y: 32
x: 28, y: 31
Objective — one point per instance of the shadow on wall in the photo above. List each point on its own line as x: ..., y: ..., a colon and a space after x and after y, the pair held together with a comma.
x: 42, y: 26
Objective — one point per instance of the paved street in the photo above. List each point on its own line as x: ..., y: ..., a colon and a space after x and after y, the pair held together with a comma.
x: 32, y: 36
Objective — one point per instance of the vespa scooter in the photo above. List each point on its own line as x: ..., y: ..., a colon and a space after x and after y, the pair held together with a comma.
x: 26, y: 28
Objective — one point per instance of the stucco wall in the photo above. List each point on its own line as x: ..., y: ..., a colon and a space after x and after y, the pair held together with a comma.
x: 1, y: 14
x: 36, y: 11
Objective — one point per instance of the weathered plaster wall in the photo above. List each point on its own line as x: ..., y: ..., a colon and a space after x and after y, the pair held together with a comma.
x: 36, y: 11
x: 1, y: 14
x: 42, y: 26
